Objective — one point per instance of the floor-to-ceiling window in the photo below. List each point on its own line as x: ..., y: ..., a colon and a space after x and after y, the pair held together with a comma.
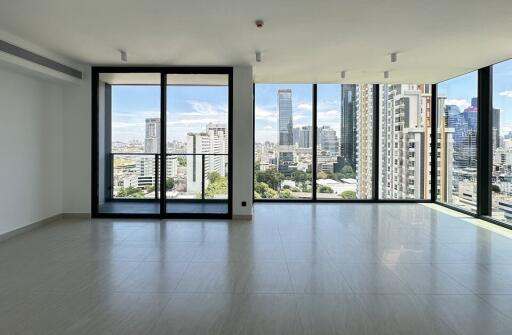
x: 404, y: 141
x: 283, y: 141
x: 457, y: 125
x: 344, y: 162
x: 501, y: 141
x: 182, y: 112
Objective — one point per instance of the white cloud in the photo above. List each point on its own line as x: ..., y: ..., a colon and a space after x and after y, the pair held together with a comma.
x: 268, y: 127
x: 202, y: 108
x: 461, y: 103
x: 265, y: 114
x: 329, y: 114
x: 305, y: 107
x: 507, y: 94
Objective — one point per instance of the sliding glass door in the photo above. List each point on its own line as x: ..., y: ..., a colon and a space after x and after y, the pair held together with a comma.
x: 197, y: 155
x: 161, y: 142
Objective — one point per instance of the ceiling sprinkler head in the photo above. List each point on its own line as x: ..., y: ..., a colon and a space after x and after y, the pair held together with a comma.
x: 258, y: 56
x: 259, y: 23
x: 124, y: 56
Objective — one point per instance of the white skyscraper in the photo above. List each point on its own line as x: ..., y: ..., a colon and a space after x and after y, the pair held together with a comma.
x: 213, y: 141
x: 364, y: 141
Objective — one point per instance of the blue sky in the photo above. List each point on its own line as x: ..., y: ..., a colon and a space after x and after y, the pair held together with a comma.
x: 190, y: 108
x: 460, y: 90
x: 267, y: 108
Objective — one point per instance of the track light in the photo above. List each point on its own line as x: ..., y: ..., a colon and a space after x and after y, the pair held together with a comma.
x: 258, y: 56
x: 343, y: 74
x: 394, y: 57
x: 386, y: 74
x: 124, y: 56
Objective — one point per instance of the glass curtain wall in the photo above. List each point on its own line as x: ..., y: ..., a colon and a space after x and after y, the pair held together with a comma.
x: 501, y: 141
x: 457, y: 127
x: 344, y: 142
x: 404, y: 141
x: 283, y: 141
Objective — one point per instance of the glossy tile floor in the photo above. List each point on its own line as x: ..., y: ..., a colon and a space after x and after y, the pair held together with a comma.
x: 296, y: 269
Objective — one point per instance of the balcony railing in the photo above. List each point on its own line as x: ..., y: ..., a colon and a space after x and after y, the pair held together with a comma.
x: 188, y: 176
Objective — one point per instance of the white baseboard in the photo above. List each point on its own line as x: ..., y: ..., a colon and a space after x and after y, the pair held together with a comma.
x: 30, y: 227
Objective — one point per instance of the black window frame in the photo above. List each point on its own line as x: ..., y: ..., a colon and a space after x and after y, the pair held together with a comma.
x: 163, y: 71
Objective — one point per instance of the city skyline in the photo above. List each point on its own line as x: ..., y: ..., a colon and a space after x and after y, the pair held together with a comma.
x: 133, y: 104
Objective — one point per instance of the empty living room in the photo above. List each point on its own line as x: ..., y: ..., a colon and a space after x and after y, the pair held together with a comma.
x: 255, y: 167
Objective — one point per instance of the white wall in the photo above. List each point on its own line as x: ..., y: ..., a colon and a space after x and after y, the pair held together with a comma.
x: 242, y: 140
x: 31, y: 140
x: 48, y: 159
x: 77, y: 146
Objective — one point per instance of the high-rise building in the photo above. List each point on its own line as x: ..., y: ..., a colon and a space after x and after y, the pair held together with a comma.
x: 152, y: 136
x: 285, y: 156
x: 328, y: 140
x: 285, y: 117
x: 213, y: 143
x: 445, y: 147
x: 348, y: 132
x: 364, y: 141
x: 405, y: 141
x: 496, y: 116
x: 305, y: 138
x: 147, y: 175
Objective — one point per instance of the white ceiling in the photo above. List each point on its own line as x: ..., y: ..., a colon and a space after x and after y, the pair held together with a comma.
x: 302, y: 40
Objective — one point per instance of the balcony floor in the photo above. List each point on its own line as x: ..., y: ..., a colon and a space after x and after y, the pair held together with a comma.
x: 173, y: 207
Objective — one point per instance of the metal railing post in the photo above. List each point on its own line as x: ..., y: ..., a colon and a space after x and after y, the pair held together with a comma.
x: 156, y: 176
x: 203, y: 176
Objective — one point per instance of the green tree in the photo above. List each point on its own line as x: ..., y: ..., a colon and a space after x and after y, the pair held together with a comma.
x: 496, y: 188
x: 286, y: 194
x: 271, y: 177
x: 169, y: 183
x: 130, y: 192
x: 347, y: 172
x: 213, y: 177
x: 182, y: 161
x: 263, y: 191
x: 325, y: 189
x: 219, y: 186
x: 301, y: 178
x: 348, y: 195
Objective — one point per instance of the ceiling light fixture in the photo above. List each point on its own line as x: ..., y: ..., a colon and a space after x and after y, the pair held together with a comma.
x: 124, y: 56
x: 258, y: 56
x: 343, y: 74
x: 386, y: 74
x: 259, y: 23
x: 394, y: 57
